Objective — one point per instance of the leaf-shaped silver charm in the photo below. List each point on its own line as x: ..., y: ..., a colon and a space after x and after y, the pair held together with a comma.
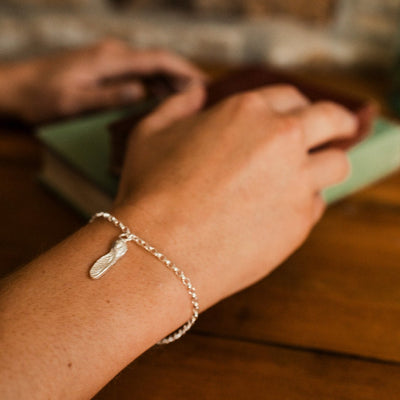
x: 104, y: 263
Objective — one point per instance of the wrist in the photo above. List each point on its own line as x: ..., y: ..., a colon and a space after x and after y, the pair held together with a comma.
x: 119, y: 249
x: 141, y: 287
x: 173, y: 284
x: 158, y: 222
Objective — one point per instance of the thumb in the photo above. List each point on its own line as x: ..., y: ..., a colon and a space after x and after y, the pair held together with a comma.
x: 175, y: 108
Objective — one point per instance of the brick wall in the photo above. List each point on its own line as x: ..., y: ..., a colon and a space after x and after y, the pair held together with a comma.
x: 283, y: 32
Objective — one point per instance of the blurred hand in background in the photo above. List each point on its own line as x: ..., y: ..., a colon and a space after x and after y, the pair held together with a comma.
x: 84, y: 79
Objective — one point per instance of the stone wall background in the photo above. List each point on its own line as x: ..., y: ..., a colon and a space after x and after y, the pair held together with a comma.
x: 282, y: 32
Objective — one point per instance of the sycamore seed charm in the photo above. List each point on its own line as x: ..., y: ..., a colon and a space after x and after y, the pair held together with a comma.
x: 104, y: 263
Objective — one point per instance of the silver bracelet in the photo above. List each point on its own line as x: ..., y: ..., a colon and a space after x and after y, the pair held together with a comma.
x: 119, y: 248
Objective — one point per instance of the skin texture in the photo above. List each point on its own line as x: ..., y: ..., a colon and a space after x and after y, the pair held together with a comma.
x: 226, y: 194
x: 67, y: 83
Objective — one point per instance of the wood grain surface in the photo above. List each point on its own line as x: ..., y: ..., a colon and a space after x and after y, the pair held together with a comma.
x: 209, y: 368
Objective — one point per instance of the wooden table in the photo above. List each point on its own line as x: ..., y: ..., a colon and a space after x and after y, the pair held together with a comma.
x: 325, y: 325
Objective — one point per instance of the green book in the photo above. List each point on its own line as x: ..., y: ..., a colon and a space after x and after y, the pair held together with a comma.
x: 374, y: 158
x: 76, y: 160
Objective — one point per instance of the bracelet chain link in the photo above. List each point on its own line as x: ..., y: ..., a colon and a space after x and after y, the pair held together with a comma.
x: 128, y: 236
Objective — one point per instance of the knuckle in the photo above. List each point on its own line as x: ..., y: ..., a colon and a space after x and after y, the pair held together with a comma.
x: 328, y: 108
x: 249, y: 102
x: 286, y: 135
x: 289, y: 127
x: 290, y: 90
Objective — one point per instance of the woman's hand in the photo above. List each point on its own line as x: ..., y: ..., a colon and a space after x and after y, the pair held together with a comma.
x: 230, y: 193
x: 72, y: 82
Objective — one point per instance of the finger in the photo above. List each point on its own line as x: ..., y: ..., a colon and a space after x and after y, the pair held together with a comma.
x: 325, y: 121
x: 284, y: 98
x: 152, y: 61
x: 329, y: 167
x: 109, y: 96
x: 175, y: 108
x: 319, y: 207
x: 113, y: 58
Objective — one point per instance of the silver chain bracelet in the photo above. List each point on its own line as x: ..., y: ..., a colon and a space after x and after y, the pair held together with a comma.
x: 119, y: 248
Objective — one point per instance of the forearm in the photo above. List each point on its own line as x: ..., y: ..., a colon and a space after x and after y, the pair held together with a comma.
x: 65, y: 335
